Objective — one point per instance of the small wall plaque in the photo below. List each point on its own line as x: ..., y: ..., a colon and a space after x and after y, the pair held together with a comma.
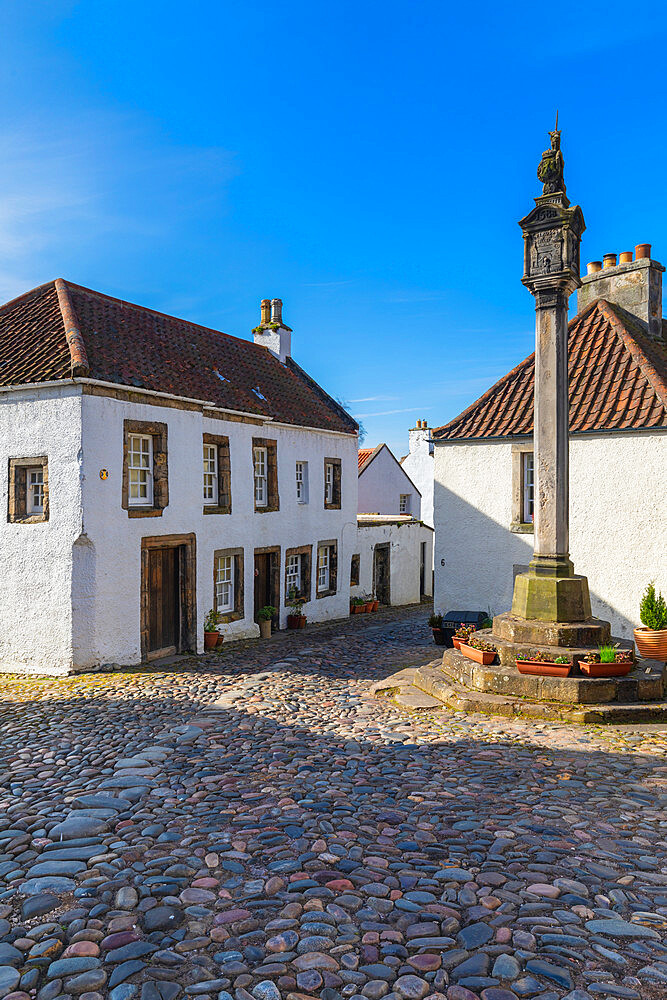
x: 104, y: 473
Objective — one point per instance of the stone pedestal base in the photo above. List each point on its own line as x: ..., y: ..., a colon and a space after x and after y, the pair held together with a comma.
x: 589, y: 634
x: 550, y: 598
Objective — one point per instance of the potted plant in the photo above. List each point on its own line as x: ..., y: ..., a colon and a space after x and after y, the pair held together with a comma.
x: 478, y: 650
x: 212, y: 636
x: 265, y: 616
x: 357, y: 605
x: 296, y: 618
x: 610, y: 661
x: 375, y: 604
x: 462, y: 634
x: 543, y: 664
x: 435, y: 624
x: 651, y: 636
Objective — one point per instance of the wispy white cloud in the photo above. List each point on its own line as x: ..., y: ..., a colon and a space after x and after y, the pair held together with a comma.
x: 374, y: 399
x: 386, y: 413
x: 102, y: 176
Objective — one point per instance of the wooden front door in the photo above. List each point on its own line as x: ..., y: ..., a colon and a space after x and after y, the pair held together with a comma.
x: 381, y: 578
x: 267, y: 579
x: 164, y: 601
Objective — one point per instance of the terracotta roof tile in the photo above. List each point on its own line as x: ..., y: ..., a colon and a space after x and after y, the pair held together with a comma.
x: 60, y: 328
x: 617, y: 376
x: 363, y: 456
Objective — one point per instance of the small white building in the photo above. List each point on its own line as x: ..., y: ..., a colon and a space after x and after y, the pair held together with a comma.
x: 384, y: 486
x: 418, y: 465
x: 152, y: 469
x: 393, y: 559
x: 484, y: 476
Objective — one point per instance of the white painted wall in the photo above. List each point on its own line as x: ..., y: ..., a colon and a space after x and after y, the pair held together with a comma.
x: 618, y: 523
x: 404, y: 559
x: 114, y: 557
x: 36, y: 582
x: 419, y: 464
x: 381, y: 484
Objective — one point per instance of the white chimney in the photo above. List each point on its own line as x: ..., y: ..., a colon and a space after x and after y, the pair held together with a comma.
x: 272, y: 333
x: 420, y: 438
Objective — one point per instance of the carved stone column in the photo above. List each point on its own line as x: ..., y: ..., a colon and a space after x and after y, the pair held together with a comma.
x: 550, y: 591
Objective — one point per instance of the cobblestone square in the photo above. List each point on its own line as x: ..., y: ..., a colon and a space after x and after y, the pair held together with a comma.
x: 253, y: 825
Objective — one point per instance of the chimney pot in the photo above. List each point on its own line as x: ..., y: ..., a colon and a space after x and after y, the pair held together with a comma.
x: 608, y: 260
x: 277, y: 311
x: 593, y: 267
x: 625, y: 257
x: 266, y: 311
x: 643, y: 251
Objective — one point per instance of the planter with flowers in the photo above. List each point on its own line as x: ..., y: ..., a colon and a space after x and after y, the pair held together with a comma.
x: 651, y: 636
x: 543, y: 664
x: 296, y: 618
x: 462, y: 635
x: 610, y: 661
x: 212, y: 635
x: 479, y: 651
x: 357, y: 605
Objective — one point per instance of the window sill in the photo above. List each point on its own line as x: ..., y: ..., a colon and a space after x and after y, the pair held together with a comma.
x: 29, y: 519
x: 521, y: 528
x: 213, y: 508
x: 270, y: 509
x: 332, y: 506
x: 227, y: 617
x: 144, y: 511
x: 325, y: 593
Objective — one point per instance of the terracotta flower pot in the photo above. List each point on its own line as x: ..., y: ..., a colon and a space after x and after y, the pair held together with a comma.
x: 375, y: 605
x: 456, y: 642
x: 356, y: 609
x: 367, y: 607
x: 296, y: 621
x: 478, y: 655
x: 221, y: 639
x: 210, y: 640
x: 606, y: 669
x: 540, y: 669
x: 265, y: 629
x: 651, y: 643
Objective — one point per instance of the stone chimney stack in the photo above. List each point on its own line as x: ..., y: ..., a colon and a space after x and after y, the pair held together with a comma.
x: 272, y: 332
x: 420, y: 438
x: 634, y: 285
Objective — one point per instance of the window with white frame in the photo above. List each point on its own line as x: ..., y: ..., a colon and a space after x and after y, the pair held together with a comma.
x: 323, y: 566
x: 293, y: 574
x: 404, y: 503
x: 261, y: 479
x: 224, y: 583
x: 328, y: 482
x: 302, y: 482
x: 140, y: 469
x: 528, y: 485
x: 210, y: 474
x: 35, y: 490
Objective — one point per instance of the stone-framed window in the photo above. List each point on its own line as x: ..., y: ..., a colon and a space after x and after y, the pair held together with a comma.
x: 404, y: 503
x: 301, y: 475
x: 265, y: 474
x: 355, y: 570
x: 332, y: 483
x: 523, y: 487
x: 28, y: 494
x: 228, y: 584
x: 145, y: 482
x: 217, y: 475
x: 298, y: 563
x: 326, y: 579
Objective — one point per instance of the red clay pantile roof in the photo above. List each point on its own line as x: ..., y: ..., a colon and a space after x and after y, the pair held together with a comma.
x: 617, y: 375
x: 61, y: 329
x: 364, y: 457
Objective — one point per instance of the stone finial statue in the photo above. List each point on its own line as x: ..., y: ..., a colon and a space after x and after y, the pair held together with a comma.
x: 550, y: 169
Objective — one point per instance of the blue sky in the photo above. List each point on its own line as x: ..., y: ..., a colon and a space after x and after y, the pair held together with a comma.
x: 366, y: 162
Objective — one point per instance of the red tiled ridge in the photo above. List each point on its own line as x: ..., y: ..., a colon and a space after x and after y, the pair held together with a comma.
x: 617, y: 379
x: 364, y: 455
x: 61, y: 329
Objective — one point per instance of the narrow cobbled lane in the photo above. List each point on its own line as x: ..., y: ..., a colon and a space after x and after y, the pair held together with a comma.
x: 251, y: 825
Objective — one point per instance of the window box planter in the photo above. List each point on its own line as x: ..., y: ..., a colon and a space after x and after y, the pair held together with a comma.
x: 478, y: 655
x: 296, y: 621
x: 375, y: 605
x: 357, y: 609
x: 439, y: 636
x: 651, y: 643
x: 619, y: 669
x: 542, y: 668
